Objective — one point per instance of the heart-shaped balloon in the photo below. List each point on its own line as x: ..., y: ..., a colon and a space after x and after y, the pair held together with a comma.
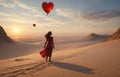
x: 47, y: 7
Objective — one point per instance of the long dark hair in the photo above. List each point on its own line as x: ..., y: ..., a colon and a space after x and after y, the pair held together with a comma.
x: 48, y: 35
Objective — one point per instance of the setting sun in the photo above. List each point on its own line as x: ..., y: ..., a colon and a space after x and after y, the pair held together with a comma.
x: 16, y: 30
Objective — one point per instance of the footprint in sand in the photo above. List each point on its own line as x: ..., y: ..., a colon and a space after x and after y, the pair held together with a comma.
x: 21, y: 59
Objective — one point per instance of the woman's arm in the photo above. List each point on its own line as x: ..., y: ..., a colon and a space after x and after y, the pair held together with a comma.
x: 53, y: 44
x: 45, y: 43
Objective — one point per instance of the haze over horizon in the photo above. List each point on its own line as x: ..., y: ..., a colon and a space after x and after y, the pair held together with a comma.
x: 69, y: 17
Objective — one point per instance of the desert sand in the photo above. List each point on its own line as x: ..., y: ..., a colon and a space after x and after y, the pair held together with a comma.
x: 97, y: 60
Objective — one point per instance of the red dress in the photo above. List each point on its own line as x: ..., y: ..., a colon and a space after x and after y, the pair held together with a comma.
x: 49, y: 47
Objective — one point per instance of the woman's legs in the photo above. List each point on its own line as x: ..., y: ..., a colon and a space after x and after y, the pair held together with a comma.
x: 46, y: 58
x: 49, y: 54
x: 50, y: 59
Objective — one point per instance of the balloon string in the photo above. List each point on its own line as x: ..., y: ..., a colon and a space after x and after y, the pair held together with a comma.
x: 47, y: 14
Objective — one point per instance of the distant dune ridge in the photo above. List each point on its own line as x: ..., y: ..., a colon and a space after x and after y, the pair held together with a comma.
x: 4, y: 37
x: 94, y: 36
x: 114, y: 36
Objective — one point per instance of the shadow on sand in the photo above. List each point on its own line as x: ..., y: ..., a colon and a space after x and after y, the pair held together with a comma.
x: 73, y: 67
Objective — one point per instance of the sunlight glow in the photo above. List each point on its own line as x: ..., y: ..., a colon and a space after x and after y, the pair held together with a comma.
x: 16, y: 30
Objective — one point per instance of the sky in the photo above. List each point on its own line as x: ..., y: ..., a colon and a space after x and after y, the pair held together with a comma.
x: 69, y: 17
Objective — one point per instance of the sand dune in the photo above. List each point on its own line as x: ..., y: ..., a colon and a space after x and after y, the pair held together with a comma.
x: 11, y: 50
x: 114, y: 36
x: 99, y: 60
x: 4, y: 37
x: 96, y: 37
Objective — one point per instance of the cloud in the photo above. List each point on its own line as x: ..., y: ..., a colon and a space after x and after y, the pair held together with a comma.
x: 6, y: 4
x: 15, y: 3
x: 22, y: 18
x: 101, y: 15
x: 68, y: 15
x: 24, y: 6
x: 4, y: 14
x: 64, y: 12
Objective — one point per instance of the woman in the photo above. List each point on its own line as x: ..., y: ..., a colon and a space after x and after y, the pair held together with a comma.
x: 49, y: 45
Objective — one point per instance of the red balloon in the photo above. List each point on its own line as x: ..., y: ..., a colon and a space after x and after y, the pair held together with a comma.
x: 47, y: 7
x: 34, y: 25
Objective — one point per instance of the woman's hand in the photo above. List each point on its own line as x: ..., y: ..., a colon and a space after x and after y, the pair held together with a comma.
x: 53, y: 46
x: 44, y: 46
